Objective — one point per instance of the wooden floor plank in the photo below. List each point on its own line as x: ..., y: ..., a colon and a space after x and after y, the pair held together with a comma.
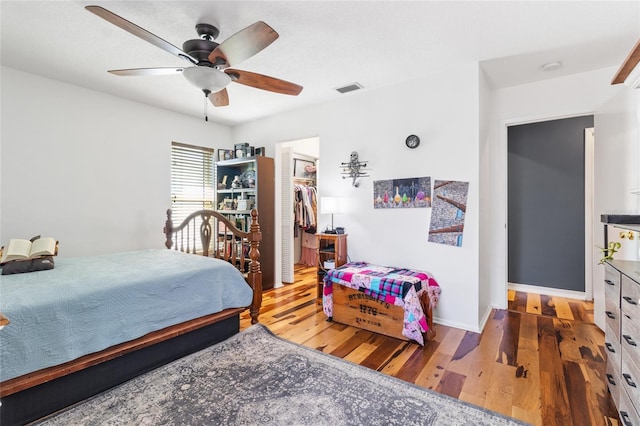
x: 508, y: 349
x: 580, y: 393
x: 500, y: 393
x: 433, y: 371
x: 563, y: 309
x: 360, y: 353
x: 450, y: 344
x: 484, y: 359
x: 553, y: 390
x: 400, y: 359
x: 462, y: 358
x: 547, y: 306
x: 578, y: 312
x: 385, y: 348
x: 331, y: 337
x: 533, y: 304
x: 520, y: 302
x: 526, y: 389
x: 451, y: 384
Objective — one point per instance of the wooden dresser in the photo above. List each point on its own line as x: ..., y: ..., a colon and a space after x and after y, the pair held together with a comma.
x: 622, y: 337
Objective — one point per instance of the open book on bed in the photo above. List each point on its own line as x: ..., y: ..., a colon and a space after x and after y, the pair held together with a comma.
x: 18, y: 249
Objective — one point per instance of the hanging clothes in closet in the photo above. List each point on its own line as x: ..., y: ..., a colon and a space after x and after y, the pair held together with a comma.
x: 305, y: 221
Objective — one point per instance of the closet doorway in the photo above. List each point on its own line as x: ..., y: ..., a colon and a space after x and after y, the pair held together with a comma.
x: 295, y: 160
x: 550, y: 207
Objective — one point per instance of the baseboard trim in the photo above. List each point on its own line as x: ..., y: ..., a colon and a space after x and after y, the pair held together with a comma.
x: 548, y: 291
x: 486, y: 316
x: 458, y: 325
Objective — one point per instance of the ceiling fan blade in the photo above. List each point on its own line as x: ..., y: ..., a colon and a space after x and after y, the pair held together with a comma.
x: 243, y: 45
x: 139, y: 32
x: 220, y: 98
x: 147, y: 71
x: 263, y: 82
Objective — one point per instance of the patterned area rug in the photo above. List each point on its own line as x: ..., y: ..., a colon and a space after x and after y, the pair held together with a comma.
x: 257, y: 378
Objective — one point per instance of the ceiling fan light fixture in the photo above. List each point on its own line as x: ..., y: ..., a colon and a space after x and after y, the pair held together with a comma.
x: 206, y: 78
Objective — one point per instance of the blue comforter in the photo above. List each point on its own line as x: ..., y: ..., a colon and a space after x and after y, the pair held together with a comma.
x: 87, y: 304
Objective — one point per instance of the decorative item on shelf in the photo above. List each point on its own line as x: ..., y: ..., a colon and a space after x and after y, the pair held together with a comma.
x: 245, y: 204
x: 354, y: 169
x: 608, y: 252
x: 331, y: 205
x: 228, y: 204
x: 223, y: 184
x: 236, y: 183
x: 248, y: 179
x: 241, y: 150
x: 225, y: 154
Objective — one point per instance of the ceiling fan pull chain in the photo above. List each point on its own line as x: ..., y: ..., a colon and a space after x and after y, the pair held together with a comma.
x: 206, y: 95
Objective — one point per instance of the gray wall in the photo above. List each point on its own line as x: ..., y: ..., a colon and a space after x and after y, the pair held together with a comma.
x: 546, y: 203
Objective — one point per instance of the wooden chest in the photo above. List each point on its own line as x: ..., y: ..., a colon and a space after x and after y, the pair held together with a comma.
x: 360, y: 310
x: 355, y: 308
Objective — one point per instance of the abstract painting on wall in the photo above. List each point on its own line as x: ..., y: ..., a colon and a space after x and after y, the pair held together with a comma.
x: 402, y: 193
x: 447, y: 215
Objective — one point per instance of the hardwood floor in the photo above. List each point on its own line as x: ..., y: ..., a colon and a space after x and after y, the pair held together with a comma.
x: 541, y: 361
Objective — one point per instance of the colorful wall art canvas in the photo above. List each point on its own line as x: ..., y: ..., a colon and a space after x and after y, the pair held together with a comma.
x: 447, y: 215
x: 402, y: 193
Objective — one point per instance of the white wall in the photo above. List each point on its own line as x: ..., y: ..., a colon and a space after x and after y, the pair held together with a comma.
x: 443, y: 110
x: 617, y: 153
x: 87, y: 168
x: 578, y: 94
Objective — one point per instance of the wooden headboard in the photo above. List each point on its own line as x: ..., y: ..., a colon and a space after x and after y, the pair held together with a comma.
x: 209, y: 233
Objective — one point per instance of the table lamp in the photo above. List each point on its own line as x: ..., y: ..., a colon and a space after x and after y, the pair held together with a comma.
x: 331, y: 205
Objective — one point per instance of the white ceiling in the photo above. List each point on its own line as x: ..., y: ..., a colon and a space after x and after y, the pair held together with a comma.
x: 322, y: 44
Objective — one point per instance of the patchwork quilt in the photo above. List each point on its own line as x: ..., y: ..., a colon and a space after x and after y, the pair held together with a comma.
x: 396, y: 286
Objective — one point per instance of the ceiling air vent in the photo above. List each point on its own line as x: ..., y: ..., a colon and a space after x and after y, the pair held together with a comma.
x: 349, y: 88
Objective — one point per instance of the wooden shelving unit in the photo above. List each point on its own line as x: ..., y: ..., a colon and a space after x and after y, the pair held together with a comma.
x: 256, y: 190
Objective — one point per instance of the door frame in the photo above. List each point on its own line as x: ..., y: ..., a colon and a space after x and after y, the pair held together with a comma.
x: 589, y: 211
x: 278, y: 146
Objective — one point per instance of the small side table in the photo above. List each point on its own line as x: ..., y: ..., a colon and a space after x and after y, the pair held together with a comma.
x: 330, y: 247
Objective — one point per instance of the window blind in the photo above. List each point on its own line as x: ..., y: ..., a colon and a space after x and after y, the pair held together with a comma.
x: 191, y: 180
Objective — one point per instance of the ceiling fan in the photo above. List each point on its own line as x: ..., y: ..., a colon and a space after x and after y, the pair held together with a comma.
x: 210, y: 61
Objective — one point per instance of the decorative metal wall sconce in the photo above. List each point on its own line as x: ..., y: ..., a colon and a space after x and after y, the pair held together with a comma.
x: 354, y: 169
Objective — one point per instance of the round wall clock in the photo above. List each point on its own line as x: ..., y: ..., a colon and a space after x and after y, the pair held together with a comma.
x: 412, y: 141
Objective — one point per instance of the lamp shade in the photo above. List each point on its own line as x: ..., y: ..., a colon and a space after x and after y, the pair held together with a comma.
x: 330, y: 205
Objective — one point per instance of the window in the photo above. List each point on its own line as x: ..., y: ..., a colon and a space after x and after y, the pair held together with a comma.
x: 191, y: 180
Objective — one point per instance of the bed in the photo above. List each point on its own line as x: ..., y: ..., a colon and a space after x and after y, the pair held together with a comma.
x: 94, y: 322
x: 397, y: 302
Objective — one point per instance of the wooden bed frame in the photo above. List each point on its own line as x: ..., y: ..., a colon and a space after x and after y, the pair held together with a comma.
x: 35, y: 395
